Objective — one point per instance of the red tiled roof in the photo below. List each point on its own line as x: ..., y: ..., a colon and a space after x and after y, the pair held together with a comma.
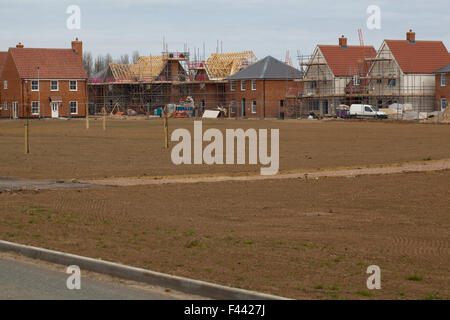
x: 419, y: 57
x: 53, y: 63
x: 344, y: 61
x: 3, y: 56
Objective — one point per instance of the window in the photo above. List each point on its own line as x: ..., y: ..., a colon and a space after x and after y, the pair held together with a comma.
x: 73, y: 85
x: 54, y: 85
x: 6, y: 106
x: 253, y: 85
x: 443, y: 83
x: 73, y: 107
x: 232, y: 86
x: 34, y: 85
x: 392, y: 82
x: 355, y: 80
x: 281, y: 103
x: 35, y: 108
x: 368, y: 109
x: 5, y: 84
x: 242, y: 85
x: 313, y: 84
x: 443, y: 103
x: 253, y: 106
x: 379, y: 81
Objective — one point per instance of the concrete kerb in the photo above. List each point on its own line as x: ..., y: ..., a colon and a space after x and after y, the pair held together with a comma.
x: 185, y: 285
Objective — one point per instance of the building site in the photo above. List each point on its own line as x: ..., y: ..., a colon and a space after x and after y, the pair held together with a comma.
x: 405, y: 79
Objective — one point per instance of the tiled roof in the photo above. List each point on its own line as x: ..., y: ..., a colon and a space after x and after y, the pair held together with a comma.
x: 3, y: 56
x: 445, y: 69
x: 53, y: 63
x: 268, y: 68
x: 420, y: 56
x: 344, y: 61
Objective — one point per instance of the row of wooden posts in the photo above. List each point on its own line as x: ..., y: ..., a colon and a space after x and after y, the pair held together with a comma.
x: 166, y: 129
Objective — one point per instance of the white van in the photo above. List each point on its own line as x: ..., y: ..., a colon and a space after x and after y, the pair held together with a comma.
x: 366, y: 111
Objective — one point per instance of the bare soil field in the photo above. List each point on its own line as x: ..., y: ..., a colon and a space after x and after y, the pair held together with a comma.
x: 296, y: 238
x: 132, y: 148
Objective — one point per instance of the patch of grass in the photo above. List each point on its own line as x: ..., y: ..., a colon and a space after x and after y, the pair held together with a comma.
x: 401, y: 294
x: 414, y: 278
x: 188, y: 233
x: 319, y: 287
x: 364, y: 293
x: 433, y: 296
x: 193, y: 244
x: 249, y: 242
x: 360, y: 264
x: 334, y: 296
x: 334, y: 288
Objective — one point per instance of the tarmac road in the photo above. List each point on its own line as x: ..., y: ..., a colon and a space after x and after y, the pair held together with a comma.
x: 24, y: 280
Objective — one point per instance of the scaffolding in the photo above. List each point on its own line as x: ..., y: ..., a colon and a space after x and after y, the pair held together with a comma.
x: 377, y: 81
x: 154, y: 82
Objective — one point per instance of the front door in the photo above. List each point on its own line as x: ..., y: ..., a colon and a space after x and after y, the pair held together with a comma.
x: 243, y: 108
x: 55, y: 109
x: 15, y: 107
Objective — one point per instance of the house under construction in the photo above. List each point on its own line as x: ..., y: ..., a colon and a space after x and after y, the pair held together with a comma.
x: 401, y: 73
x: 156, y: 81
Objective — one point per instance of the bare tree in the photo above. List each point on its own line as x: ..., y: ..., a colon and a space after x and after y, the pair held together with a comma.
x: 100, y: 64
x: 124, y: 59
x: 135, y: 56
x: 108, y: 60
x: 88, y: 63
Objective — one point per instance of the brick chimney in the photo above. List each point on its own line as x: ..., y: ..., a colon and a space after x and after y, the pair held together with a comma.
x: 77, y: 47
x: 19, y: 45
x: 343, y: 42
x: 411, y: 36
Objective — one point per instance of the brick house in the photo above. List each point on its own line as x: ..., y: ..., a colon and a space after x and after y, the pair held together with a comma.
x: 260, y: 90
x: 48, y: 83
x: 443, y: 88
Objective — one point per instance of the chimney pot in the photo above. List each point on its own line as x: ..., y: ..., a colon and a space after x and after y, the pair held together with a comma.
x: 19, y: 45
x: 411, y: 36
x: 343, y: 42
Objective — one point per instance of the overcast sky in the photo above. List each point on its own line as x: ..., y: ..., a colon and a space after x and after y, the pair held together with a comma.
x: 266, y: 27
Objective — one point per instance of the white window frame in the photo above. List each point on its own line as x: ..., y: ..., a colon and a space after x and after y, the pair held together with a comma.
x: 243, y: 87
x: 443, y: 103
x: 232, y: 85
x: 38, y: 108
x: 70, y: 107
x: 70, y: 85
x: 254, y: 106
x: 5, y: 106
x: 254, y: 85
x: 5, y: 84
x: 443, y: 80
x: 37, y: 81
x: 57, y: 85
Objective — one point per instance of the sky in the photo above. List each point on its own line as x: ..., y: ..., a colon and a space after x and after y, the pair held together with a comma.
x: 265, y: 27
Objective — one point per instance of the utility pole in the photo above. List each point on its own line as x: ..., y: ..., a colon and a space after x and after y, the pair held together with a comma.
x: 27, y: 124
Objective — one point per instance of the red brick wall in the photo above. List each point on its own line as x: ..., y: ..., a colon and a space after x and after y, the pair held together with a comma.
x: 14, y: 93
x: 442, y: 91
x: 268, y: 95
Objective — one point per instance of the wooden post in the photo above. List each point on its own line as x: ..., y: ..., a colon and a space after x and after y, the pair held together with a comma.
x: 104, y: 118
x: 27, y: 144
x: 87, y: 116
x: 166, y: 129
